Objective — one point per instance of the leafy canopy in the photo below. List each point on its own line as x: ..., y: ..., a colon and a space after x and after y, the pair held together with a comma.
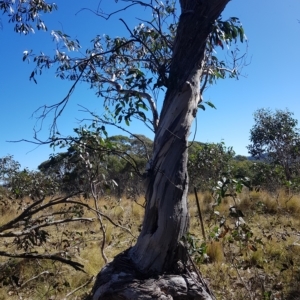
x: 126, y: 72
x: 25, y: 14
x: 276, y: 138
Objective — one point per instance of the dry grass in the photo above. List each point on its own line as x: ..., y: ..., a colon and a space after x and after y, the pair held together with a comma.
x: 215, y: 252
x: 271, y: 271
x: 233, y: 273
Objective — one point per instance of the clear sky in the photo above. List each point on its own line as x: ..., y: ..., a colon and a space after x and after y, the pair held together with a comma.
x: 271, y: 80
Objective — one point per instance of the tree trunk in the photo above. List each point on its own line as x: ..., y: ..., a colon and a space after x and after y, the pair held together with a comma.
x: 158, y: 252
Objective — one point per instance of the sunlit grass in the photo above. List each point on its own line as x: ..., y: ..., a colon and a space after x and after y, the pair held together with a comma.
x: 273, y: 218
x: 215, y: 252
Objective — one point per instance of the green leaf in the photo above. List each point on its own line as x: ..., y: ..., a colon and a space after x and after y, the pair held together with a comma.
x: 143, y: 105
x: 242, y: 33
x: 142, y: 115
x: 210, y: 104
x: 201, y: 106
x: 118, y: 111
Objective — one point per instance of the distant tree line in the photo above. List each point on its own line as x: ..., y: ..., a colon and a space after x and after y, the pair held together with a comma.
x: 118, y: 164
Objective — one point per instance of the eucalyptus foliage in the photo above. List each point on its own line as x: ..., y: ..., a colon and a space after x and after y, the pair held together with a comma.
x: 209, y: 163
x: 275, y: 138
x: 26, y: 15
x: 126, y: 72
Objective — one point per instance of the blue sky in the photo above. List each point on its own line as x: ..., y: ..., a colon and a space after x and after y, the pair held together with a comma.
x: 271, y: 80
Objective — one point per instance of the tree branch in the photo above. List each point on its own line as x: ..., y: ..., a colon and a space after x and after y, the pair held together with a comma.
x: 28, y: 230
x: 77, y: 266
x: 58, y: 109
x: 80, y: 287
x: 99, y: 216
x: 33, y: 278
x: 29, y: 212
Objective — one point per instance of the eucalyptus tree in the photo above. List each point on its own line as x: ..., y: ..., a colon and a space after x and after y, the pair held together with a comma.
x: 275, y: 139
x: 173, y: 52
x: 9, y: 167
x: 209, y: 164
x: 121, y: 163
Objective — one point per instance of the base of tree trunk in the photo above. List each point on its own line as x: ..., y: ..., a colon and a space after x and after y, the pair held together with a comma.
x: 120, y: 279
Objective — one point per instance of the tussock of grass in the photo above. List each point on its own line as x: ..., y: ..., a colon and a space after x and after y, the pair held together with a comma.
x: 91, y: 258
x: 109, y: 233
x: 257, y: 257
x: 207, y: 200
x: 278, y: 203
x: 293, y: 206
x: 272, y: 218
x: 215, y: 252
x: 8, y: 212
x: 118, y: 212
x: 246, y: 202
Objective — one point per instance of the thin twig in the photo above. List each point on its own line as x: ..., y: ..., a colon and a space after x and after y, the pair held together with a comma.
x: 243, y: 282
x: 139, y: 203
x: 28, y: 230
x: 57, y: 257
x: 34, y: 277
x: 200, y: 215
x: 80, y: 287
x: 102, y: 228
x: 119, y: 127
x: 103, y: 215
x: 34, y: 208
x: 200, y: 276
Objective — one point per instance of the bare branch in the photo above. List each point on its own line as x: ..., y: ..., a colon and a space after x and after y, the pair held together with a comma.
x: 34, y: 277
x: 103, y: 215
x: 99, y: 216
x: 28, y: 230
x: 29, y: 212
x: 80, y: 287
x: 58, y: 109
x: 142, y: 205
x: 125, y: 130
x: 104, y: 15
x: 77, y: 266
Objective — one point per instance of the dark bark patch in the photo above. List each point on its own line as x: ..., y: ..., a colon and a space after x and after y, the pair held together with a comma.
x: 154, y: 224
x: 121, y: 280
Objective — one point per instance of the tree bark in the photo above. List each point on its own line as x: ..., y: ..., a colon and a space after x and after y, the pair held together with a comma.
x: 166, y: 218
x: 158, y: 252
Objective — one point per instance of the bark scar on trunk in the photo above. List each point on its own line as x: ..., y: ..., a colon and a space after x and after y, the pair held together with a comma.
x: 186, y: 87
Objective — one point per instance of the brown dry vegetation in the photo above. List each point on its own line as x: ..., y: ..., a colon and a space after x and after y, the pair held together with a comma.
x: 266, y: 267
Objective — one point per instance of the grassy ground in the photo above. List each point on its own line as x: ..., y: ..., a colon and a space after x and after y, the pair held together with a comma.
x: 259, y: 259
